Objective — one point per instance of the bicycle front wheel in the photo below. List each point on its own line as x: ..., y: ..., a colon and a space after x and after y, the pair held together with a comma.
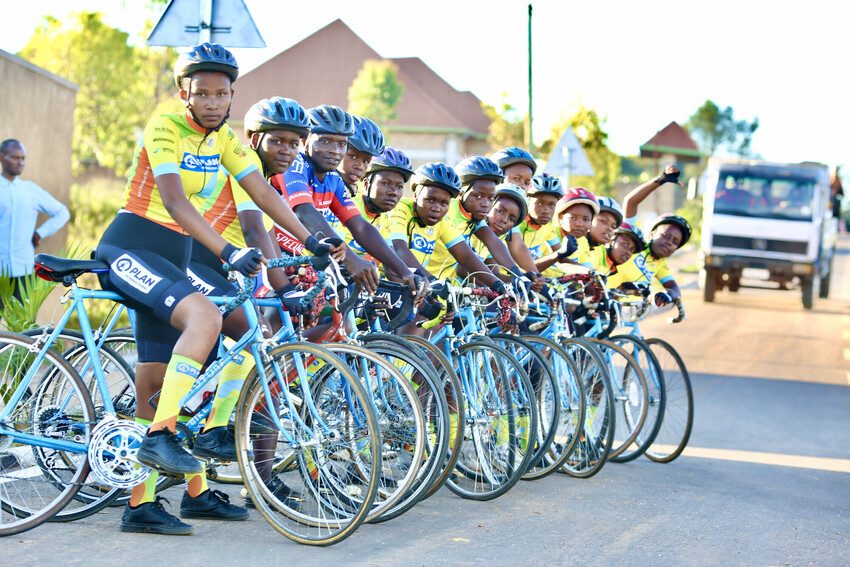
x: 299, y: 469
x: 678, y: 419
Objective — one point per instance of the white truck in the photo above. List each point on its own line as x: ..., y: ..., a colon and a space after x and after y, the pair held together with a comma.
x: 773, y: 220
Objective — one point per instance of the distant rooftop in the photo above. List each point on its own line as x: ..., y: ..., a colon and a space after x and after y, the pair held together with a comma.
x: 671, y: 140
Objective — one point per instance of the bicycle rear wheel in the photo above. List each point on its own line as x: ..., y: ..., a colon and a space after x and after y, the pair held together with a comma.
x: 302, y: 484
x: 37, y: 480
x: 678, y: 419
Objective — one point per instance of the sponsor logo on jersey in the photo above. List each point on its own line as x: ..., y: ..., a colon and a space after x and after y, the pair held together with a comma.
x: 640, y: 262
x: 134, y: 273
x: 200, y: 164
x: 422, y: 244
x: 198, y: 283
x: 288, y: 242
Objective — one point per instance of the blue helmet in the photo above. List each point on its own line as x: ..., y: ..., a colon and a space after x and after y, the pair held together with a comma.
x: 509, y: 156
x: 330, y: 119
x: 277, y: 113
x: 439, y: 174
x: 391, y: 160
x: 478, y: 167
x: 546, y: 185
x: 609, y: 205
x: 205, y: 57
x: 517, y: 195
x: 367, y: 137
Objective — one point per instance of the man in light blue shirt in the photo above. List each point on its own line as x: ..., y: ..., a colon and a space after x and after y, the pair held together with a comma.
x: 20, y: 203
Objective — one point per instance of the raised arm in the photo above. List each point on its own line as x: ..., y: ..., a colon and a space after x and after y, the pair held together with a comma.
x: 637, y: 195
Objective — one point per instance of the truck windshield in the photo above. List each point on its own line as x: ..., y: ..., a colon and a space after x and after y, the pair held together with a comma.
x: 762, y: 196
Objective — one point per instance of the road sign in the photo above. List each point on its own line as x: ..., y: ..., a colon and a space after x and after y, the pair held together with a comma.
x: 189, y: 22
x: 568, y: 158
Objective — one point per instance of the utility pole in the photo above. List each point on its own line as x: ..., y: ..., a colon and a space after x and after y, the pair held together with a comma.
x: 530, y: 98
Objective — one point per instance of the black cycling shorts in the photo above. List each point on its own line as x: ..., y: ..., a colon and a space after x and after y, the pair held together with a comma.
x: 148, y: 269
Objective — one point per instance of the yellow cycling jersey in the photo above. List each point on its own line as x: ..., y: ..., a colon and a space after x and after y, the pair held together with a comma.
x: 442, y: 263
x: 403, y: 224
x: 174, y: 143
x: 541, y: 241
x: 642, y: 267
x: 583, y: 254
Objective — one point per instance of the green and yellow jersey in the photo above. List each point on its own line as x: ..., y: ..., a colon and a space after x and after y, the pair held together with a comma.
x: 403, y: 224
x: 642, y: 267
x: 442, y: 263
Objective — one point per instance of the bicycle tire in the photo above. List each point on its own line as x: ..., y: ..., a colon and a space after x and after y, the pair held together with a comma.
x: 642, y: 354
x: 679, y: 404
x: 572, y: 402
x: 357, y: 428
x: 50, y: 421
x: 597, y: 436
x: 631, y: 395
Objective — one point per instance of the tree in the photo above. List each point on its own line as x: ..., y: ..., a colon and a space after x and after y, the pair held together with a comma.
x: 588, y: 127
x: 376, y: 91
x: 507, y: 128
x: 119, y: 85
x: 715, y: 129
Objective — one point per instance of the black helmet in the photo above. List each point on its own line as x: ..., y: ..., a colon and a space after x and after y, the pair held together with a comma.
x: 205, y: 57
x: 367, y: 137
x: 277, y: 113
x: 439, y: 174
x: 545, y: 185
x: 330, y: 119
x: 478, y: 167
x: 512, y: 155
x: 516, y: 194
x: 391, y: 160
x: 632, y: 232
x: 670, y: 218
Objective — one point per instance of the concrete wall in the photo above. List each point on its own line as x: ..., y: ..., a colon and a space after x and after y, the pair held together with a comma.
x: 38, y: 110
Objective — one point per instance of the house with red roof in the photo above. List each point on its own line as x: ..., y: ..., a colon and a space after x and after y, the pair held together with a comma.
x: 434, y: 121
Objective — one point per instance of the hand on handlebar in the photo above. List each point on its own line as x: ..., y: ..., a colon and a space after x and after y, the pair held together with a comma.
x: 246, y: 261
x: 362, y: 272
x: 662, y: 299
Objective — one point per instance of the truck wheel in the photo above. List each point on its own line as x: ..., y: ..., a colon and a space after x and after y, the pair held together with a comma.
x: 734, y: 284
x: 808, y: 286
x: 823, y: 292
x: 708, y: 282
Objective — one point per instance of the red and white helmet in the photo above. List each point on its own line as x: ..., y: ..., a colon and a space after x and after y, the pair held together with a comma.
x: 576, y: 196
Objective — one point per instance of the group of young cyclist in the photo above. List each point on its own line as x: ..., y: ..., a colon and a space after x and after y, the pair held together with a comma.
x: 321, y: 181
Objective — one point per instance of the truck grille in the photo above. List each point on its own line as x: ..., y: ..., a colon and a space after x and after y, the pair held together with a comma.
x: 762, y: 244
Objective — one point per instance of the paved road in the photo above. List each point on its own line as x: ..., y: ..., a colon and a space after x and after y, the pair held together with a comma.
x: 765, y: 481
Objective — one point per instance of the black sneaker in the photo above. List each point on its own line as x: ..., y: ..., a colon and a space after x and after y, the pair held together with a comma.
x: 151, y: 518
x: 291, y: 498
x: 218, y: 443
x: 162, y: 450
x: 211, y: 505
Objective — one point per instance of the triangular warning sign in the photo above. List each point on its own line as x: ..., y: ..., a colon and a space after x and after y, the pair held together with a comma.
x: 230, y: 25
x: 568, y: 158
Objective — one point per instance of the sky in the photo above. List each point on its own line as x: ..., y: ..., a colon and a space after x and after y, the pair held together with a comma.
x: 639, y: 64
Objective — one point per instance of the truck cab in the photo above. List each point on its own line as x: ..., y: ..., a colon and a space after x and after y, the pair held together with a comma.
x: 773, y: 220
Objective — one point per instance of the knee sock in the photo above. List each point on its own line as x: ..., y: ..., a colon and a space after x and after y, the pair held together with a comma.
x: 196, y: 483
x: 233, y: 375
x: 145, y: 492
x: 179, y: 377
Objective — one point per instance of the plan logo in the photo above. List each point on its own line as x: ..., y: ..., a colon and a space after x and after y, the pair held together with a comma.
x: 198, y: 283
x: 134, y: 273
x: 200, y: 164
x: 422, y: 244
